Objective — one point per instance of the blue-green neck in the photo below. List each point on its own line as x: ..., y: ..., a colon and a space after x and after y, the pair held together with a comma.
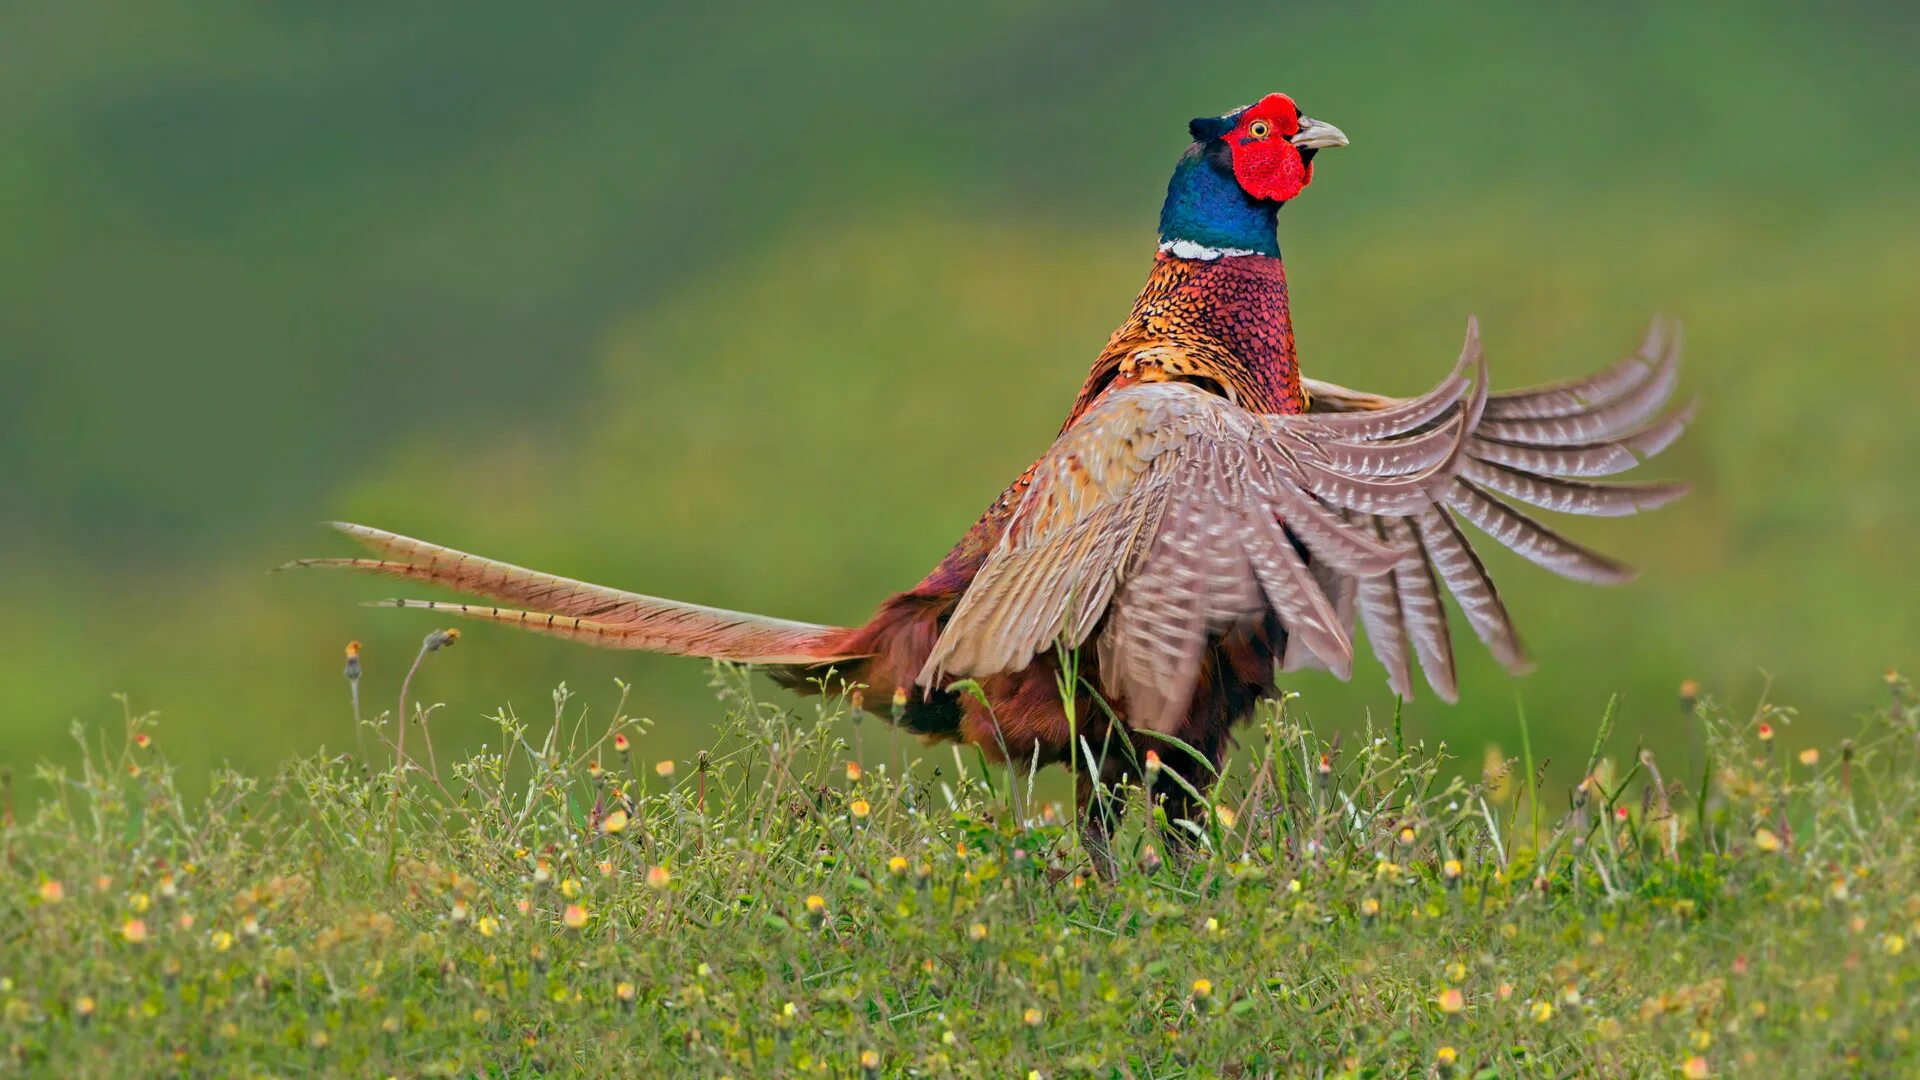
x: 1206, y: 207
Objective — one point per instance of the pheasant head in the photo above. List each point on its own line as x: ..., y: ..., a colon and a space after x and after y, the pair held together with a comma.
x: 1231, y: 182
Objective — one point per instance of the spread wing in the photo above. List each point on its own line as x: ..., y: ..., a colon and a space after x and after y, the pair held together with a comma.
x: 1168, y: 513
x: 1541, y: 447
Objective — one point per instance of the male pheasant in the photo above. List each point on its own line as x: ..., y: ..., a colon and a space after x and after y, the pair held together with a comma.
x: 1205, y: 519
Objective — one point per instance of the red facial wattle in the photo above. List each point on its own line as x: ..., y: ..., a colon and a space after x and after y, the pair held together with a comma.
x: 1265, y: 163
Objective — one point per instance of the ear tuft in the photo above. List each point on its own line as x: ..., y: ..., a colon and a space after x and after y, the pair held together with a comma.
x: 1208, y: 128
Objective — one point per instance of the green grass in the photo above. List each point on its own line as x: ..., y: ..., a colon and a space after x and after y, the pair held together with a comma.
x: 561, y: 902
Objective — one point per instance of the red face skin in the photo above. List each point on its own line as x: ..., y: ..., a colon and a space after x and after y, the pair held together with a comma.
x: 1265, y: 163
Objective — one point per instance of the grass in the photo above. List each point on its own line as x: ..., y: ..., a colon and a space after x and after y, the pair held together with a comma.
x: 563, y: 902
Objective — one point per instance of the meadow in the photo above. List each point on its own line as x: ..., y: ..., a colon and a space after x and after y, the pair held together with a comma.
x: 759, y: 307
x: 564, y: 901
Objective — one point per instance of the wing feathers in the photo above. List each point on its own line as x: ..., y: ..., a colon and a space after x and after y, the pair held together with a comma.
x: 1168, y: 515
x: 1535, y: 541
x: 1426, y: 619
x: 1459, y: 566
x: 1592, y: 497
x: 1583, y: 394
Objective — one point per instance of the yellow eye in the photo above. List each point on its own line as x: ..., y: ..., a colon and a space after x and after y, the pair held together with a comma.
x: 1259, y: 129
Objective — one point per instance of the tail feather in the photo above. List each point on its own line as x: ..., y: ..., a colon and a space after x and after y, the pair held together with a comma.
x: 563, y: 607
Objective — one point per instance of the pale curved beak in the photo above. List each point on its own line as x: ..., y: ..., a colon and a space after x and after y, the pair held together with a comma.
x: 1317, y: 135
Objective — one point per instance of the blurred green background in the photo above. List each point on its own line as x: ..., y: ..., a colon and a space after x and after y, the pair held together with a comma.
x: 761, y: 307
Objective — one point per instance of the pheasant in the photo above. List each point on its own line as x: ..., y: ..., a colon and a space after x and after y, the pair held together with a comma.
x: 1206, y: 520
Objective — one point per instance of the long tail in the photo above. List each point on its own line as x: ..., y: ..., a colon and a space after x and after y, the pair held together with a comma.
x: 595, y: 614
